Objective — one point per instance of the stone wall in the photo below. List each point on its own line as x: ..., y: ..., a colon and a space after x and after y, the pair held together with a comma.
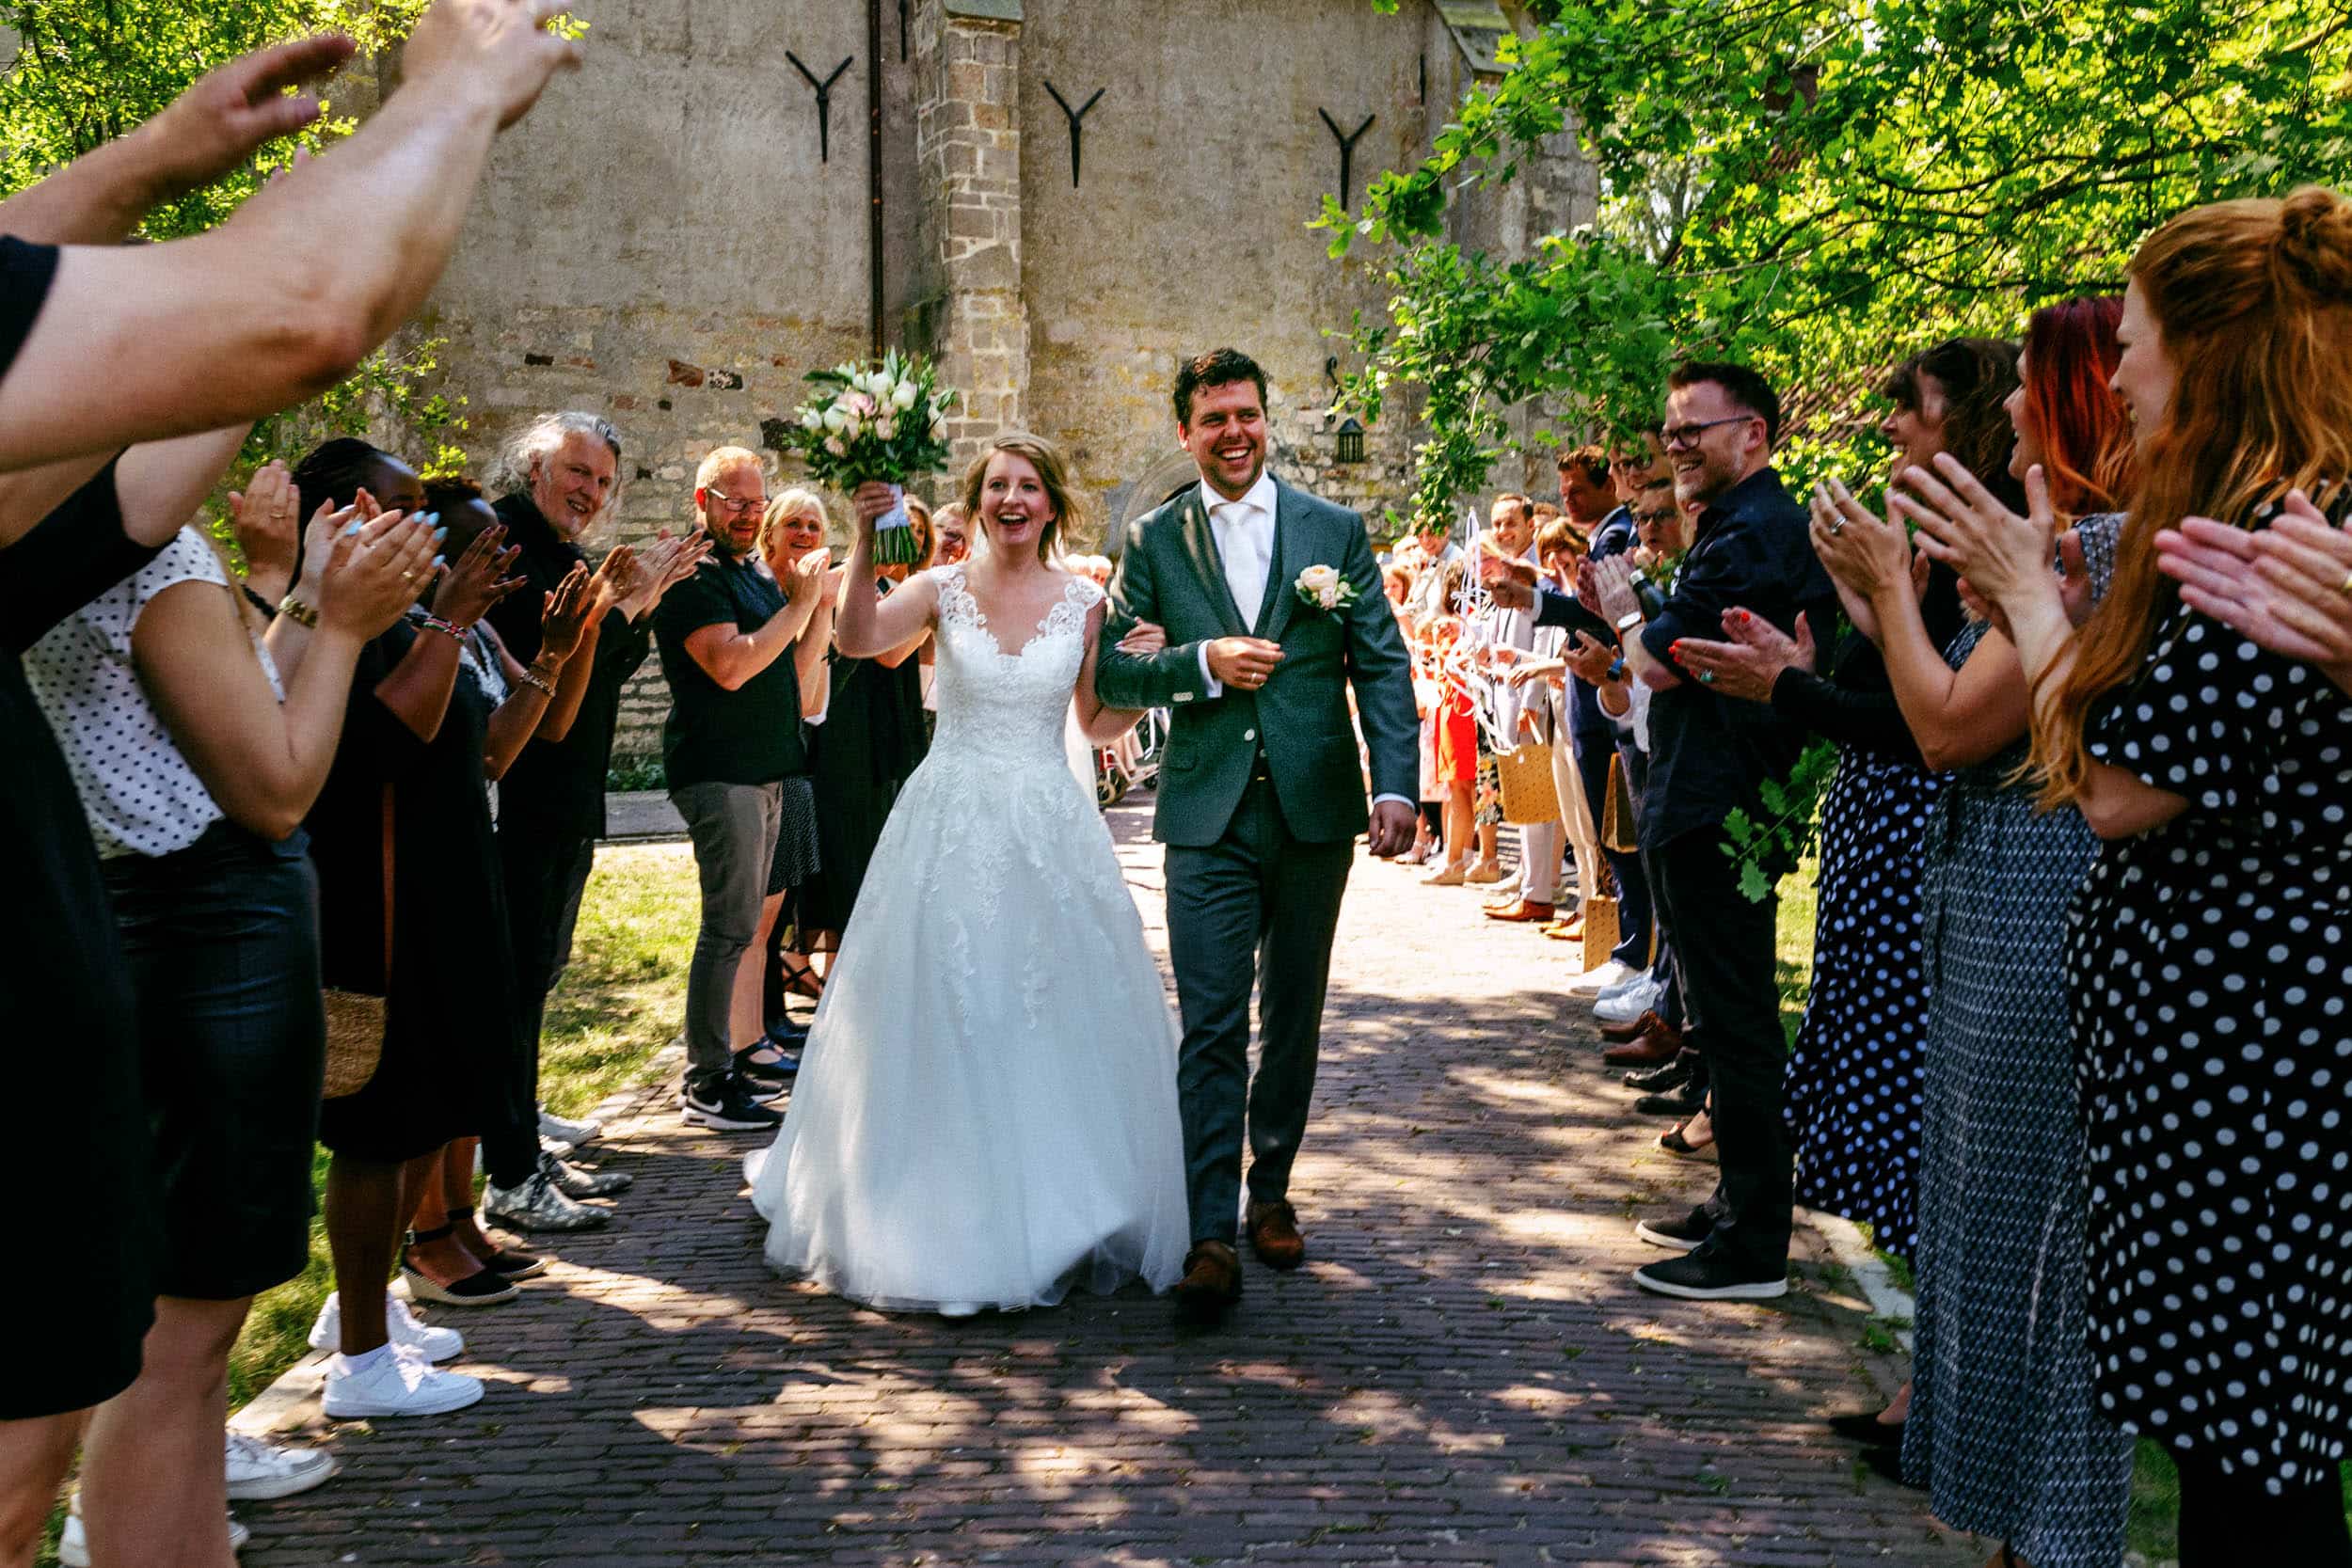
x: 661, y: 241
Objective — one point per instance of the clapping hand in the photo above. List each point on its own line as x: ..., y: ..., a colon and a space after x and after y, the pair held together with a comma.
x: 620, y: 576
x: 231, y: 113
x: 564, y: 616
x: 1510, y: 582
x: 264, y: 517
x: 2288, y: 588
x: 1746, y: 665
x: 479, y: 579
x: 1591, y: 658
x: 495, y: 53
x: 807, y: 576
x: 1606, y: 586
x: 370, y: 573
x: 1964, y: 525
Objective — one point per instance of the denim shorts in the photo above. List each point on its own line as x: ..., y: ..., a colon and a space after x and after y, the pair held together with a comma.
x: 222, y: 943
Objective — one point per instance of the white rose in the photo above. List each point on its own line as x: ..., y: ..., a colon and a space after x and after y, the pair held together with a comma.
x: 1322, y: 581
x: 812, y: 419
x: 903, y: 396
x: 887, y: 428
x: 834, y: 418
x: 851, y: 427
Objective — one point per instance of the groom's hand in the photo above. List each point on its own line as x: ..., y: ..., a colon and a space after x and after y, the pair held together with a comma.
x: 1391, y: 832
x: 1246, y: 663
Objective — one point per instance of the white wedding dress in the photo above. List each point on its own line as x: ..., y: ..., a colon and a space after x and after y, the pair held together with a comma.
x: 986, y: 1111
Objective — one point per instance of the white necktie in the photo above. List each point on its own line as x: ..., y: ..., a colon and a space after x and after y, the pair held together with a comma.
x: 1241, y: 535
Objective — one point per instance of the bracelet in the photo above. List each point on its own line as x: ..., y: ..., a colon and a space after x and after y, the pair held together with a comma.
x: 538, y: 682
x: 299, y: 613
x: 453, y: 631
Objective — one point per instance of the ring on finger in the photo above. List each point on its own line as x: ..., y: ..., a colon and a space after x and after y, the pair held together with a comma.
x: 2347, y: 587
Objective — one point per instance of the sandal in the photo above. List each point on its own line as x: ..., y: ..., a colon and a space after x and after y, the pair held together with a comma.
x: 1675, y: 1141
x: 503, y: 1258
x: 479, y: 1289
x: 800, y: 976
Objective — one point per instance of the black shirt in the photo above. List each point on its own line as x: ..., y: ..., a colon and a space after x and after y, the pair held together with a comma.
x: 1710, y: 753
x: 557, y: 786
x: 750, y: 736
x: 1854, y: 704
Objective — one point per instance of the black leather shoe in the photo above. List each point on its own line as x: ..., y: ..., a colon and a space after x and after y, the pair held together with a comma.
x: 1683, y: 1101
x: 1658, y: 1080
x: 1864, y: 1427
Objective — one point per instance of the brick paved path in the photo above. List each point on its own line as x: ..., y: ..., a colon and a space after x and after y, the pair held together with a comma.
x: 1462, y: 1374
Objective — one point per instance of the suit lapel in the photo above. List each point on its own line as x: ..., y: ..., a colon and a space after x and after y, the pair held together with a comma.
x: 1274, y: 610
x: 1200, y: 546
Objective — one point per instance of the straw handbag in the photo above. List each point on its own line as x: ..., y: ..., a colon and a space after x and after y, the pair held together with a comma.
x: 1529, y: 794
x: 1600, y: 932
x: 1617, y: 827
x: 355, y: 1021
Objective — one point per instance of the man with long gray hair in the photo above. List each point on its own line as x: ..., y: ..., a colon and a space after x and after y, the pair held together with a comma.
x: 563, y: 471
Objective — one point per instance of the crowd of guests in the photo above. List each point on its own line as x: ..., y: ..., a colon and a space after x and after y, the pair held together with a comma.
x: 2075, y: 1046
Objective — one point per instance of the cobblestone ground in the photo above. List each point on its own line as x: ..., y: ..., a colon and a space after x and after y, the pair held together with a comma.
x: 1463, y: 1373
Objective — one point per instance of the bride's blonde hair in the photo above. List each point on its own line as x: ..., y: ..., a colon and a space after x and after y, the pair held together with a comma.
x: 1040, y: 455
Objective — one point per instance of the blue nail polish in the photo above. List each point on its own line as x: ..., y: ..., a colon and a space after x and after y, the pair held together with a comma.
x: 352, y: 530
x: 440, y: 561
x: 430, y: 518
x: 440, y: 534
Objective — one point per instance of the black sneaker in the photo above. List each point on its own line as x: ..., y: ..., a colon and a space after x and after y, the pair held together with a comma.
x: 1677, y: 1235
x: 1688, y: 1101
x: 729, y: 1104
x: 1707, y: 1275
x: 1658, y: 1080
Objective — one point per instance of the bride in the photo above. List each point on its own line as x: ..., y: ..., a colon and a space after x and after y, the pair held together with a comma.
x: 986, y: 1112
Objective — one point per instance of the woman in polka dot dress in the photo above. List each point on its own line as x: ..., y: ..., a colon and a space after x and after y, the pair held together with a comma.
x: 2211, y: 956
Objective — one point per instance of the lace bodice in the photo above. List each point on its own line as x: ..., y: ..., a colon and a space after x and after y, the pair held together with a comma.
x: 1003, y: 703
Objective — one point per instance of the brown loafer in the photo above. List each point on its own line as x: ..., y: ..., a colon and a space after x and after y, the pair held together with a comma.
x: 1617, y: 1033
x: 1521, y: 910
x: 1210, y: 1285
x: 1274, y: 1235
x: 1661, y: 1044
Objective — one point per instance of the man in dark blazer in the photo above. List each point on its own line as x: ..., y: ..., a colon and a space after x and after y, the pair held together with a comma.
x: 1261, y: 797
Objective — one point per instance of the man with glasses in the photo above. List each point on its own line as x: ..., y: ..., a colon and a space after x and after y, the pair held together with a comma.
x: 1751, y: 553
x: 734, y: 730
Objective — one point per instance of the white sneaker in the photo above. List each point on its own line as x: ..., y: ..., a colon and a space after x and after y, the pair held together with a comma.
x: 397, y: 1382
x: 1612, y: 975
x: 564, y: 1130
x: 400, y: 1326
x: 73, y: 1541
x: 260, y: 1471
x: 1626, y: 1005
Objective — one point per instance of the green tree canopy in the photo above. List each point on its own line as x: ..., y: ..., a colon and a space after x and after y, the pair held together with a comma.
x: 1819, y: 186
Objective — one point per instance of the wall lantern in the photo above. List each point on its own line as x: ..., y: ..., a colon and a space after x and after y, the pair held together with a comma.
x: 1351, y: 442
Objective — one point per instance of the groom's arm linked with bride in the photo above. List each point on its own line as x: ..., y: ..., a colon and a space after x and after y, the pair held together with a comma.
x: 1261, y: 797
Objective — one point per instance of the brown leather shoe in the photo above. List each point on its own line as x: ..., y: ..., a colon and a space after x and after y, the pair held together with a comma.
x: 1521, y: 910
x: 1661, y: 1044
x: 1617, y: 1033
x: 1212, y: 1283
x: 1274, y: 1235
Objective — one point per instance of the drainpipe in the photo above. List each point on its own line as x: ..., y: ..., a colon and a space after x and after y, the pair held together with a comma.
x: 874, y: 170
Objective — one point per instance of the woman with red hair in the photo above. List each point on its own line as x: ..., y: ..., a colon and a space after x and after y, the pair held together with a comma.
x: 2211, y: 951
x: 2004, y: 1428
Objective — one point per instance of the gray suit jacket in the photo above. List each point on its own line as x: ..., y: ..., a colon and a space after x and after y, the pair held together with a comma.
x: 1170, y: 574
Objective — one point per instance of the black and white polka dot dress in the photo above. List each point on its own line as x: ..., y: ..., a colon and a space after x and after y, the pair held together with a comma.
x: 2211, y: 963
x: 2005, y: 1430
x: 1852, y: 1101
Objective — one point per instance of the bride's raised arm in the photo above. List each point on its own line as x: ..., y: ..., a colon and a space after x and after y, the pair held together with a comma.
x: 868, y: 624
x: 1102, y: 724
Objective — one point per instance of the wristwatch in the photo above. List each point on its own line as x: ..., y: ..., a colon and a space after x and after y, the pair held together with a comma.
x: 1630, y: 619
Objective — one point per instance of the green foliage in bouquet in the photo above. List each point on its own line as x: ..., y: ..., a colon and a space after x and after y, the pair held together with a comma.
x: 884, y: 422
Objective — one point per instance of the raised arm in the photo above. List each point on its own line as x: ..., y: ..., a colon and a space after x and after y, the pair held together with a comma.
x: 866, y: 625
x: 285, y: 299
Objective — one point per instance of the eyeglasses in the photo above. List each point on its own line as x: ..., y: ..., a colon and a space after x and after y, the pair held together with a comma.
x: 738, y: 504
x: 1688, y: 434
x: 1657, y: 517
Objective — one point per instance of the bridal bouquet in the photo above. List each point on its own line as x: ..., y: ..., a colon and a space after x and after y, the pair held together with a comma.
x: 885, y: 423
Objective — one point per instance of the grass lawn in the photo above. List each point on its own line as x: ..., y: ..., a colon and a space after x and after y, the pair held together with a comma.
x: 621, y: 1001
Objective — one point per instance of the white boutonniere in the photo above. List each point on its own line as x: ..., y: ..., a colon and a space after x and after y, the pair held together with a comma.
x: 1323, y: 588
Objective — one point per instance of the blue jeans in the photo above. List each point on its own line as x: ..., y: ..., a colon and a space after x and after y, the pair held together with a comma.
x: 1593, y: 751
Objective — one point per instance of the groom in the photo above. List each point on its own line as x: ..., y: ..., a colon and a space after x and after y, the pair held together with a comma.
x: 1261, y: 798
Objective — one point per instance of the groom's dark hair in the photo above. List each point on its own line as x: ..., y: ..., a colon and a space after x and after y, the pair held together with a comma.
x: 1219, y: 367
